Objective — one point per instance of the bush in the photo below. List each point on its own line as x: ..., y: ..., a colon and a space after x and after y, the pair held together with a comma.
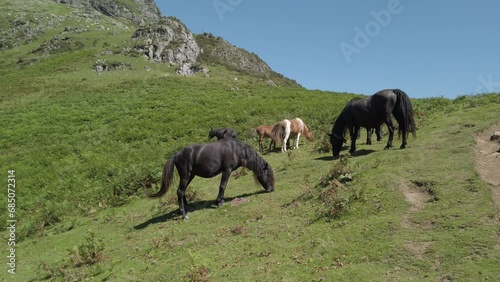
x: 335, y: 195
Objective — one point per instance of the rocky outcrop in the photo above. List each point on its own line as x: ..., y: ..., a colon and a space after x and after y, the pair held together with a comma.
x: 216, y: 50
x: 104, y: 65
x: 137, y: 11
x: 167, y: 41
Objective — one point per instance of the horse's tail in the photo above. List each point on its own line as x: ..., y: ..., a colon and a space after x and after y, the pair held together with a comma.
x: 278, y: 131
x: 404, y: 112
x: 166, y: 178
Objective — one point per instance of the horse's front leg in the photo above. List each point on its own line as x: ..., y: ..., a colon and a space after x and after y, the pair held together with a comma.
x: 222, y: 187
x: 354, y: 131
x: 260, y: 145
x: 297, y: 141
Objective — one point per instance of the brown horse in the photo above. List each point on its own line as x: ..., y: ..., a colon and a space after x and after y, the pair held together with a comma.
x: 265, y: 131
x: 293, y: 128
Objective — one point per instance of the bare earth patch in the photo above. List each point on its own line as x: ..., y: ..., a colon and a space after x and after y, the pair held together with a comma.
x: 487, y: 157
x: 488, y: 162
x: 417, y: 198
x: 238, y: 201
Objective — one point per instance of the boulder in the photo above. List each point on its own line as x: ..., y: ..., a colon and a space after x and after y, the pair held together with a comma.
x: 167, y: 41
x: 495, y: 136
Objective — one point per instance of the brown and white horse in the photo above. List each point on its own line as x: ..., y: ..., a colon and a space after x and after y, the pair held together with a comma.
x: 293, y: 128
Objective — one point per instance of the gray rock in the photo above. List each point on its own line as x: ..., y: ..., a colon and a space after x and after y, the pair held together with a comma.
x: 167, y: 41
x: 495, y: 136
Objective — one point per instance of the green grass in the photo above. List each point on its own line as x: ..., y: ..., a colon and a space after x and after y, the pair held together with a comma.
x: 84, y: 145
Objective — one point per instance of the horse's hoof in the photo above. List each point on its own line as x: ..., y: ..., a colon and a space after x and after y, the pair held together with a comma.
x: 185, y: 217
x: 219, y: 204
x: 387, y: 148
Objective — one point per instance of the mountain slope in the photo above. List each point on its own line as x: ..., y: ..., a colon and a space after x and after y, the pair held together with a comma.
x: 36, y: 29
x: 87, y: 122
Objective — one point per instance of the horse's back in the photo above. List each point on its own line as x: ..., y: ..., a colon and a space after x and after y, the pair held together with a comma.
x: 297, y: 125
x: 208, y: 160
x: 371, y: 111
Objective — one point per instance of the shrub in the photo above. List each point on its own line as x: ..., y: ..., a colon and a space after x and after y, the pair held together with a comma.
x: 335, y: 195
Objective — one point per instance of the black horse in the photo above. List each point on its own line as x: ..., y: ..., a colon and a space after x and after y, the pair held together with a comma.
x: 372, y: 112
x: 209, y: 160
x: 369, y: 131
x: 222, y: 133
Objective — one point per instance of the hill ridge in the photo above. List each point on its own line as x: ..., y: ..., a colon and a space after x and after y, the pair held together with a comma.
x: 51, y: 27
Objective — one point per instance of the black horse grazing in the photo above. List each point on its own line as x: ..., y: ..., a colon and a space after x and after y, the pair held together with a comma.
x: 222, y: 133
x: 372, y: 112
x: 209, y: 160
x: 369, y: 131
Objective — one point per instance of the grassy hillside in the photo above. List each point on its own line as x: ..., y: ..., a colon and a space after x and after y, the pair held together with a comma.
x: 84, y: 145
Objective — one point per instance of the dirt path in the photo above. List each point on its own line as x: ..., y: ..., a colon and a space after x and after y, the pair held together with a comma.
x: 487, y: 153
x: 487, y: 159
x: 417, y: 198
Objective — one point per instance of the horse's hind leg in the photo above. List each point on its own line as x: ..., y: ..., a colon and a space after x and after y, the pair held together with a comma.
x: 271, y: 144
x: 369, y: 132
x: 284, y: 143
x: 181, y: 196
x: 390, y: 127
x: 378, y: 132
x: 405, y: 135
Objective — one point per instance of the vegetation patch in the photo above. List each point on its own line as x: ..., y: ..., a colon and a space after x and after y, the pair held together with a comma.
x: 81, y: 264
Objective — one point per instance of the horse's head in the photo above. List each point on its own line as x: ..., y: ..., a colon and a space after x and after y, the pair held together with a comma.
x: 212, y: 133
x: 265, y: 176
x: 337, y: 141
x: 307, y: 133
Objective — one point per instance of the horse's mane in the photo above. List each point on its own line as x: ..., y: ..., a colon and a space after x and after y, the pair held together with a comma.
x: 339, y: 126
x: 253, y: 161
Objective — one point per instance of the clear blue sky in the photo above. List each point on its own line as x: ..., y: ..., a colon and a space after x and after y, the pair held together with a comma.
x: 428, y: 48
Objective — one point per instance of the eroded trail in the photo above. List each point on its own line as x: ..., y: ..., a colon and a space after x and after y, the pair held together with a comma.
x: 487, y: 154
x: 487, y: 157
